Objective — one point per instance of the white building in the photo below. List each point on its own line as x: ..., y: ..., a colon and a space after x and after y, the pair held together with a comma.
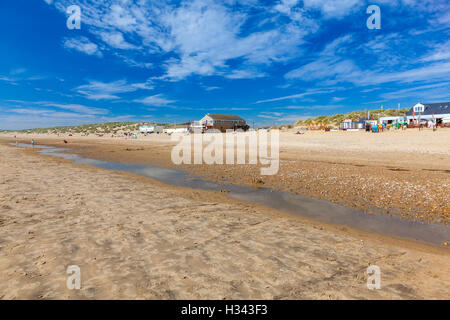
x: 151, y: 129
x: 220, y: 122
x: 394, y: 119
x: 427, y: 112
x: 176, y: 130
x: 431, y: 112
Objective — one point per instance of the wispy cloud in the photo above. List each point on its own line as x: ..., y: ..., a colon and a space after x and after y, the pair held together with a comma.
x: 82, y: 44
x: 425, y: 93
x: 441, y: 51
x: 333, y: 8
x: 298, y: 95
x: 156, y: 100
x: 211, y: 88
x: 245, y: 74
x: 18, y: 75
x: 77, y: 108
x: 202, y: 36
x: 316, y: 107
x: 28, y: 118
x: 7, y: 79
x: 333, y: 65
x: 21, y: 114
x: 97, y: 90
x: 18, y: 71
x: 116, y: 40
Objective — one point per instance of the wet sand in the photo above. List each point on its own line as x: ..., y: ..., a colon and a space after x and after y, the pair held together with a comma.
x: 137, y: 238
x: 316, y: 209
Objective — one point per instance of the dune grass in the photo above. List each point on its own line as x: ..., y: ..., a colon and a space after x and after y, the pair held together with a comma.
x: 334, y: 120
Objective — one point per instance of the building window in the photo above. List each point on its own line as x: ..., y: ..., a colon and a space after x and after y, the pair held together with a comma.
x: 418, y: 108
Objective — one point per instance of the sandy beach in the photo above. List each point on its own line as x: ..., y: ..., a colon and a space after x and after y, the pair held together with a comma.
x: 136, y: 238
x: 404, y: 173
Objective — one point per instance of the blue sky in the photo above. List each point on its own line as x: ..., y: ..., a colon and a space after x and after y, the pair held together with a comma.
x: 268, y: 61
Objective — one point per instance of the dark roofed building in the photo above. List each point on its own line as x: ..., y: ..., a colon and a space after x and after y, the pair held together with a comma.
x: 440, y: 112
x: 224, y: 117
x: 221, y: 122
x: 430, y: 109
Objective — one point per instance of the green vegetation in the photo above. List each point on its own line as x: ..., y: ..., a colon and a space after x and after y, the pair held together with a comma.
x: 334, y: 120
x: 107, y: 127
x: 95, y: 128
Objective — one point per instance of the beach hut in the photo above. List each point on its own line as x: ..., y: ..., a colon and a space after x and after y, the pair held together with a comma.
x: 349, y: 124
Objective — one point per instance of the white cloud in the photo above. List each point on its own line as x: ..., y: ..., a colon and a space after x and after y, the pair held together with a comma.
x: 315, y: 107
x: 18, y: 71
x: 157, y: 100
x: 82, y: 44
x: 441, y: 51
x: 279, y: 118
x: 333, y: 8
x: 18, y: 77
x: 27, y: 118
x: 116, y: 40
x: 78, y: 108
x: 328, y: 65
x: 212, y: 88
x: 200, y: 36
x: 97, y: 90
x: 134, y: 63
x: 7, y: 79
x: 298, y: 95
x: 323, y: 68
x: 333, y: 66
x: 121, y: 18
x: 425, y: 93
x: 245, y: 74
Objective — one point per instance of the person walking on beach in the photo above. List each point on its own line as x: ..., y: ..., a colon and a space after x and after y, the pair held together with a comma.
x: 32, y: 143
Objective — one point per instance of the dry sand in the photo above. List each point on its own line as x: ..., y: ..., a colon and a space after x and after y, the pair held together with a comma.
x: 136, y: 238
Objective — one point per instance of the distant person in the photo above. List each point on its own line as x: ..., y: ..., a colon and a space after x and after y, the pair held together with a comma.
x: 32, y: 143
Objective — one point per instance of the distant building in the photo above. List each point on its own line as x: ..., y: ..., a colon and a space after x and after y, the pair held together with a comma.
x: 220, y: 122
x: 394, y: 119
x: 176, y: 130
x: 439, y: 112
x: 349, y: 124
x: 151, y: 129
x: 425, y: 113
x: 179, y: 128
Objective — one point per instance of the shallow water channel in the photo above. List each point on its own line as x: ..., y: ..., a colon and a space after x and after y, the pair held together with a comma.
x: 317, y: 209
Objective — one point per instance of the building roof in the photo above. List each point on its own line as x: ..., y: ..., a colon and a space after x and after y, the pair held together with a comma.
x: 433, y: 108
x: 215, y: 116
